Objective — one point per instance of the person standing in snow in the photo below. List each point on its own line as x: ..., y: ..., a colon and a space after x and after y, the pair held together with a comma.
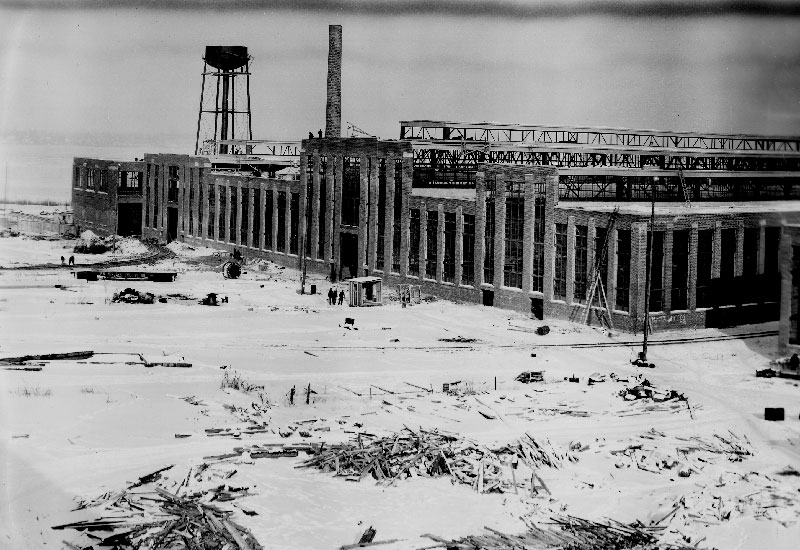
x: 341, y: 297
x: 72, y: 260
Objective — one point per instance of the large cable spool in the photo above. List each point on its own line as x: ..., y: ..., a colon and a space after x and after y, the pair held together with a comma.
x: 231, y: 270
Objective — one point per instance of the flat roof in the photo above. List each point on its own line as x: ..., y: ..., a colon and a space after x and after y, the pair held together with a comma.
x: 681, y: 209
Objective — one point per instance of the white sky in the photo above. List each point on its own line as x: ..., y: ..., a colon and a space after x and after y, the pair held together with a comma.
x: 137, y: 71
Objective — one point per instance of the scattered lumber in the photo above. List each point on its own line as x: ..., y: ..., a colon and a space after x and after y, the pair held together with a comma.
x: 71, y: 355
x: 422, y: 453
x: 418, y: 387
x: 568, y: 532
x: 530, y: 376
x: 459, y: 340
x: 158, y: 519
x: 646, y: 390
x: 656, y: 452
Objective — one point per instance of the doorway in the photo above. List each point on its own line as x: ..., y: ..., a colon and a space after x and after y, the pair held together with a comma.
x: 348, y: 255
x: 129, y: 220
x: 537, y: 308
x: 172, y: 224
x: 488, y: 297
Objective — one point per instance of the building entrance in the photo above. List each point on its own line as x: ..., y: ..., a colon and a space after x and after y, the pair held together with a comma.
x: 129, y: 220
x: 172, y: 224
x: 348, y: 255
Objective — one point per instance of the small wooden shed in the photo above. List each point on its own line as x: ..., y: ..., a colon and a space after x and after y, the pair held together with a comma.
x: 365, y: 291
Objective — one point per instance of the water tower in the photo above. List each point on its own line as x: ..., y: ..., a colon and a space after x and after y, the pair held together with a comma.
x: 224, y: 100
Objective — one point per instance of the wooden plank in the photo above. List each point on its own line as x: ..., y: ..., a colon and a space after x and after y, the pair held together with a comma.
x: 236, y: 536
x: 368, y: 544
x: 74, y: 355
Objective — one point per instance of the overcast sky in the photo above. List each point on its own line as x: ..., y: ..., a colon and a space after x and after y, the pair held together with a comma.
x: 88, y: 66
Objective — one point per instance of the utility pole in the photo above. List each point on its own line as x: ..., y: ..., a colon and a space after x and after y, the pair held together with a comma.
x: 649, y: 269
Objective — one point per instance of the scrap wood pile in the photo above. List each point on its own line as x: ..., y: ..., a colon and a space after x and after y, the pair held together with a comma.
x: 147, y: 516
x: 570, y: 533
x: 645, y: 390
x: 530, y: 376
x: 431, y: 454
x: 656, y: 452
x: 733, y: 495
x: 132, y: 296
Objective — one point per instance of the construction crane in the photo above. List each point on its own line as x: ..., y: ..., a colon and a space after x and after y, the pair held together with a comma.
x: 596, y: 291
x: 355, y: 131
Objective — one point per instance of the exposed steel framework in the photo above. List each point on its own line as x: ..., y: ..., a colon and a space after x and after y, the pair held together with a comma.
x: 254, y: 147
x: 611, y: 164
x: 523, y: 133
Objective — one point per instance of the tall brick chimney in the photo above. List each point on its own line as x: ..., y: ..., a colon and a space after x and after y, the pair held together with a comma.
x: 333, y: 108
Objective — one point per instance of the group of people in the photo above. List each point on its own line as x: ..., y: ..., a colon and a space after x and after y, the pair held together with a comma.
x: 332, y: 296
x: 71, y: 260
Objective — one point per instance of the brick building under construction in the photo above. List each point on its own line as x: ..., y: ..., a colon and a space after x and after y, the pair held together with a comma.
x: 547, y: 220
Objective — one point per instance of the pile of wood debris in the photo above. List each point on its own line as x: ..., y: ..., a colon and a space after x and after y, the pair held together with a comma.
x: 431, y: 454
x: 570, y: 532
x: 530, y: 376
x: 133, y: 296
x: 690, y: 455
x: 146, y: 515
x: 645, y: 390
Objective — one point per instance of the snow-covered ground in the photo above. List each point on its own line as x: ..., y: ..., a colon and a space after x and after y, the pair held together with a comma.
x: 76, y: 429
x: 21, y: 251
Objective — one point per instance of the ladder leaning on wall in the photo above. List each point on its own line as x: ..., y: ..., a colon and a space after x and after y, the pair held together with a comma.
x: 596, y: 291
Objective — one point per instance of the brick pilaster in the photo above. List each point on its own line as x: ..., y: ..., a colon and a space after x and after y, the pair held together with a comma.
x: 638, y: 272
x: 499, y: 230
x: 262, y: 208
x: 408, y: 172
x: 274, y: 217
x: 459, y: 259
x: 480, y: 226
x: 612, y: 265
x: 716, y: 248
x: 217, y: 212
x: 739, y: 258
x: 337, y: 215
x: 668, y: 240
x: 527, y: 234
x: 762, y: 244
x: 388, y: 217
x: 287, y: 218
x: 692, y: 290
x: 251, y: 199
x: 423, y: 240
x: 314, y: 207
x: 439, y: 242
x: 549, y: 234
x: 227, y: 191
x: 570, y: 297
x: 372, y: 248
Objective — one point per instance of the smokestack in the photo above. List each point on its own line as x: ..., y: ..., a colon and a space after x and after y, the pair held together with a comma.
x: 333, y: 108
